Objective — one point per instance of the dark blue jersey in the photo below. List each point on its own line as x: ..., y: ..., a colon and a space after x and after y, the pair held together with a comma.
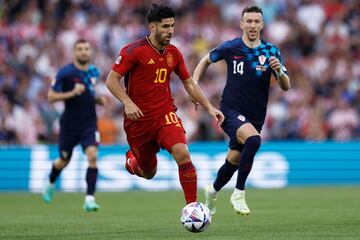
x: 248, y: 77
x: 79, y: 111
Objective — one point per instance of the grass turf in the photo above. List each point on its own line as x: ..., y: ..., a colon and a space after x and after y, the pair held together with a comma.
x: 292, y: 213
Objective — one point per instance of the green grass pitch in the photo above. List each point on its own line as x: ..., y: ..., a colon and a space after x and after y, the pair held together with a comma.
x: 291, y: 213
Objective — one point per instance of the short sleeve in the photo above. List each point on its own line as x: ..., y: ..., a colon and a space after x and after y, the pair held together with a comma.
x: 94, y: 74
x: 57, y: 83
x: 180, y: 68
x: 218, y: 53
x: 124, y: 62
x: 97, y: 73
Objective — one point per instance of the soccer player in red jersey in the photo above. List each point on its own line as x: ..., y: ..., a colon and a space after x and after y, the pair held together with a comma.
x: 150, y: 118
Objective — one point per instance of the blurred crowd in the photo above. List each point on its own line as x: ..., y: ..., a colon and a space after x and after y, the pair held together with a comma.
x: 319, y: 41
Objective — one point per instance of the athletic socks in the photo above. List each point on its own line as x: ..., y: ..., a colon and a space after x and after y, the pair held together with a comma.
x: 131, y: 164
x: 188, y: 181
x: 91, y: 176
x: 224, y: 175
x: 54, y: 174
x: 251, y: 146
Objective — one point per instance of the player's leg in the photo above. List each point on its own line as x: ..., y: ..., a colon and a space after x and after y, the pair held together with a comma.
x: 131, y: 164
x: 173, y: 139
x: 142, y: 160
x: 67, y: 141
x: 224, y: 174
x: 89, y: 143
x: 227, y: 170
x: 250, y: 138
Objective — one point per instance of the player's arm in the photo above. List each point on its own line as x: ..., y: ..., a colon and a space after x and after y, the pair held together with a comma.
x: 201, y: 68
x: 200, y: 71
x: 113, y: 84
x: 100, y: 100
x: 197, y: 94
x: 54, y: 96
x: 282, y: 78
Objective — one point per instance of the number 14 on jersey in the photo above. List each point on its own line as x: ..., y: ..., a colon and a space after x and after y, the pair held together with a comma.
x: 238, y: 67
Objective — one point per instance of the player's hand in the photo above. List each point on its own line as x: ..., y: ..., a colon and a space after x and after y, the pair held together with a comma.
x: 101, y: 100
x: 78, y: 89
x: 275, y: 64
x: 132, y: 111
x: 217, y: 115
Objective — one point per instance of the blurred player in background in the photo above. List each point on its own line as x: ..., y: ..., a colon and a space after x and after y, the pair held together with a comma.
x: 74, y: 84
x: 150, y: 118
x: 250, y: 65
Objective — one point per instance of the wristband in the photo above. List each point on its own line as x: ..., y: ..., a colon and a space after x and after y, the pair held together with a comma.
x: 279, y: 73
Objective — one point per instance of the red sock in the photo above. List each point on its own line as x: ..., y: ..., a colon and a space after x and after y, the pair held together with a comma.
x: 134, y: 168
x: 188, y: 181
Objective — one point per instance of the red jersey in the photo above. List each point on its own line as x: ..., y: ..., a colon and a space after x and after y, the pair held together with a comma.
x: 147, y: 76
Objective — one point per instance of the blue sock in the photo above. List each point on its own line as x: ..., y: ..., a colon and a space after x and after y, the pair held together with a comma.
x: 251, y: 146
x: 224, y: 175
x: 91, y: 176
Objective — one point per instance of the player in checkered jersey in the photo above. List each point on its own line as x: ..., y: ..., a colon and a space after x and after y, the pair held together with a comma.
x: 251, y: 62
x: 74, y: 84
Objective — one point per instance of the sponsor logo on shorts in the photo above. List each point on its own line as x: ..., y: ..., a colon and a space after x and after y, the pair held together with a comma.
x: 64, y: 154
x: 97, y: 137
x: 241, y: 118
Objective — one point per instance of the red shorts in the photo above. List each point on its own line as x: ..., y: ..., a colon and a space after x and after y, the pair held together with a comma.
x: 150, y: 135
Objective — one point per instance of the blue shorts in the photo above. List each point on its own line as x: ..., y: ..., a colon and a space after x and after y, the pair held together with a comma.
x: 68, y: 139
x: 234, y: 120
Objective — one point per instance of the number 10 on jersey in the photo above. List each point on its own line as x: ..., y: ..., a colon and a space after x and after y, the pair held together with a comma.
x: 238, y: 67
x: 160, y: 75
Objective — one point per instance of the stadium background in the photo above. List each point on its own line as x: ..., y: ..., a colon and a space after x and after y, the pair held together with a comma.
x: 318, y: 39
x: 311, y: 135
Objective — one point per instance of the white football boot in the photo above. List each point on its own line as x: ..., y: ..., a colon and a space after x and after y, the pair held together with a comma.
x: 210, y: 199
x: 238, y: 202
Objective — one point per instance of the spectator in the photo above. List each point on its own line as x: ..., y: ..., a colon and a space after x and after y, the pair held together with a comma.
x: 322, y: 53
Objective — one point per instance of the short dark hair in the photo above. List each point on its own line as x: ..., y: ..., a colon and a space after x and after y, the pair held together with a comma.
x: 255, y: 9
x: 157, y: 13
x: 81, y: 40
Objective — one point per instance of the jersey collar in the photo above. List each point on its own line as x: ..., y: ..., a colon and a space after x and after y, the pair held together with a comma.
x: 151, y: 45
x: 254, y: 48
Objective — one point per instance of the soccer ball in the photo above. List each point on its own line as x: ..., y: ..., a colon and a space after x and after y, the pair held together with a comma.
x: 195, y: 217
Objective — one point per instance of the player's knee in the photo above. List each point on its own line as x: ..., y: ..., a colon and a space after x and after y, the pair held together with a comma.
x: 181, y: 154
x: 254, y: 142
x: 65, y: 157
x: 92, y: 160
x: 91, y: 154
x: 149, y: 174
x: 61, y: 163
x: 233, y: 161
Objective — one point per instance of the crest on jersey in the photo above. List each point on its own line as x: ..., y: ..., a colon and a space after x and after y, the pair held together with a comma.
x: 93, y: 80
x: 118, y: 60
x: 262, y: 59
x: 169, y: 60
